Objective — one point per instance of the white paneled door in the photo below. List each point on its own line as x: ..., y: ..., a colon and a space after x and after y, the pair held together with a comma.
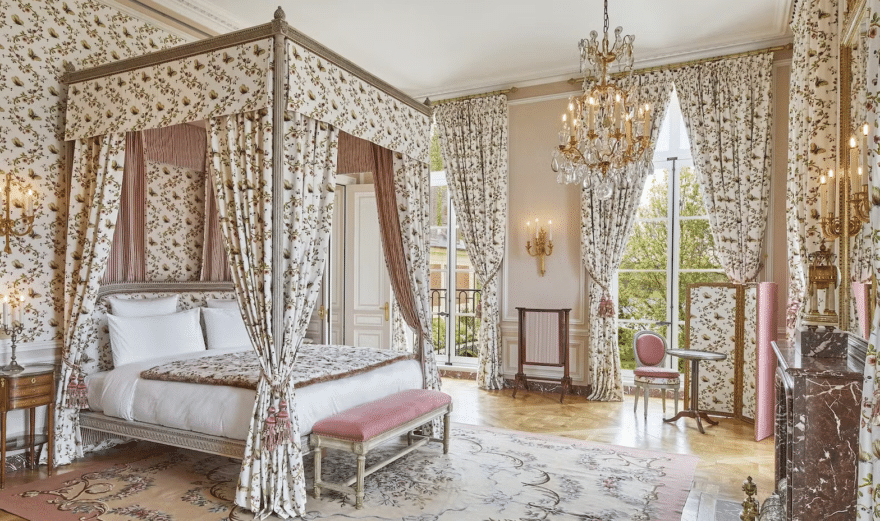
x: 368, y: 288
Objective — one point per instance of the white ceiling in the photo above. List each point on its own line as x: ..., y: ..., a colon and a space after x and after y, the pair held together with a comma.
x: 447, y: 48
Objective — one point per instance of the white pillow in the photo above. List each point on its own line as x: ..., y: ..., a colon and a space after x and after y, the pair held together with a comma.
x: 218, y: 303
x: 143, y: 307
x: 135, y: 339
x: 225, y: 328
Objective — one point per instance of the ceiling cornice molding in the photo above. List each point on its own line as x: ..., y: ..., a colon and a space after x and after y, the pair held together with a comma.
x: 150, y: 19
x: 204, y: 13
x: 542, y: 77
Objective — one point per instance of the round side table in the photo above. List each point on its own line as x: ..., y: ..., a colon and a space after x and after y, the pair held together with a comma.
x: 693, y: 411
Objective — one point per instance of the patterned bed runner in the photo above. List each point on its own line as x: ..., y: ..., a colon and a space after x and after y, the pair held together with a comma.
x: 314, y: 364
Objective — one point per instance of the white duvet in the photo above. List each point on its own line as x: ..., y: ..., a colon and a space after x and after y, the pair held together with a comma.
x: 221, y: 410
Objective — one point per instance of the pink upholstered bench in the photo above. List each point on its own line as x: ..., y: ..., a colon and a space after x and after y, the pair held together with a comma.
x: 362, y: 428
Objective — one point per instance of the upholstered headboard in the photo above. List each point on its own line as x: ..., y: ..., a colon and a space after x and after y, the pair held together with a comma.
x: 97, y: 356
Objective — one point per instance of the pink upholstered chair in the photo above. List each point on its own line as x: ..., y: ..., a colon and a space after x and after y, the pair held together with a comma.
x: 650, y: 351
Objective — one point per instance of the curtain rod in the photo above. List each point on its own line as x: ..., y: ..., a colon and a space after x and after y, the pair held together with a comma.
x: 472, y: 96
x: 786, y: 47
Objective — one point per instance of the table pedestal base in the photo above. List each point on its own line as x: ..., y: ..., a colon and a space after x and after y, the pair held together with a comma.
x: 693, y: 414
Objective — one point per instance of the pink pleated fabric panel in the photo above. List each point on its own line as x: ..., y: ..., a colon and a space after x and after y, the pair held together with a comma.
x: 765, y: 393
x: 862, y: 292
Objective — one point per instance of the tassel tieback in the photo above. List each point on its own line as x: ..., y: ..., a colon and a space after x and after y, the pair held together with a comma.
x: 606, y: 307
x: 77, y: 392
x: 276, y: 428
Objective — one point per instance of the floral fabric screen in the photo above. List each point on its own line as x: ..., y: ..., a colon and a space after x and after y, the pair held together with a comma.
x: 728, y: 318
x: 323, y: 91
x: 175, y: 222
x: 217, y: 83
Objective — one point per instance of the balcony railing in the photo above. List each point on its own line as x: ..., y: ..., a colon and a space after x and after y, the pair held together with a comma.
x: 466, y: 322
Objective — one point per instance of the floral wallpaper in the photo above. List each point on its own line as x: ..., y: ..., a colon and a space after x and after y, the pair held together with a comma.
x: 217, y: 83
x: 175, y: 222
x: 36, y: 39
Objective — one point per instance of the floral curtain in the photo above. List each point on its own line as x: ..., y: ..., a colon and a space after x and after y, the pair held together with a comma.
x: 95, y: 188
x: 473, y: 140
x: 726, y: 109
x: 605, y: 229
x: 812, y: 138
x: 412, y: 185
x: 868, y: 498
x: 272, y: 479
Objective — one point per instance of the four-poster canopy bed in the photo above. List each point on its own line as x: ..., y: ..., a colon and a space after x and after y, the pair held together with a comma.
x: 274, y: 102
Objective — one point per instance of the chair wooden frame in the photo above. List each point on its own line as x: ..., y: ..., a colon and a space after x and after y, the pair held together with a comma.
x: 646, y: 386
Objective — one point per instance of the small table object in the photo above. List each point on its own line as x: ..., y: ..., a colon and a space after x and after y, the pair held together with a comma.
x: 695, y: 355
x: 28, y: 389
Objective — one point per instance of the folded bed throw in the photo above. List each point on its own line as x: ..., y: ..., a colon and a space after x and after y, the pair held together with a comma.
x: 314, y: 364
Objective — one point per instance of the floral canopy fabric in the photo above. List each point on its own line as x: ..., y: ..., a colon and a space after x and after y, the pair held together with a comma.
x: 234, y: 89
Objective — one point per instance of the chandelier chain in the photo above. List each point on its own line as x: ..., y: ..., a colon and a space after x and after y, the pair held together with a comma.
x: 607, y: 24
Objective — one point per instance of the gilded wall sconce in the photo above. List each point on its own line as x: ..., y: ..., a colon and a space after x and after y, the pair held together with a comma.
x: 8, y: 225
x: 543, y: 241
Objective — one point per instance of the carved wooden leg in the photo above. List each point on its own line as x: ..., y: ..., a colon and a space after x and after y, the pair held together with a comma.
x: 362, y: 461
x: 636, y: 401
x: 51, y: 436
x: 676, y: 401
x: 32, y: 429
x: 663, y: 395
x: 3, y: 448
x: 646, y: 403
x: 446, y: 422
x: 318, y: 451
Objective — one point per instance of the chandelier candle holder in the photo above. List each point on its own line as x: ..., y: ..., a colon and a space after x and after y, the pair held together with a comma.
x: 8, y: 225
x: 543, y: 241
x: 603, y: 131
x: 13, y: 326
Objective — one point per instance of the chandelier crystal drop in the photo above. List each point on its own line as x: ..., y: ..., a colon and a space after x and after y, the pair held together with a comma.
x: 603, y: 130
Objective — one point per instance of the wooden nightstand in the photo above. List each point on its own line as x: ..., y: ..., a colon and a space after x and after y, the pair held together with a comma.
x: 29, y: 389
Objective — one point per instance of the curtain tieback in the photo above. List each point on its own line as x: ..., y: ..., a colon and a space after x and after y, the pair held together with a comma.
x: 606, y: 305
x: 276, y: 426
x: 77, y: 396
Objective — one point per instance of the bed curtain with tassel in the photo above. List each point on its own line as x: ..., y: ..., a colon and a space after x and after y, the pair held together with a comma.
x: 272, y: 479
x: 95, y: 188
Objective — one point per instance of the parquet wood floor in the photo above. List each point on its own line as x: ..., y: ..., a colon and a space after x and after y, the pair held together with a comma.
x: 727, y: 452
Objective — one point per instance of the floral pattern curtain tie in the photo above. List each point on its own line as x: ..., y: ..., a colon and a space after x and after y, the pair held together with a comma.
x: 606, y: 305
x: 77, y: 393
x: 276, y: 428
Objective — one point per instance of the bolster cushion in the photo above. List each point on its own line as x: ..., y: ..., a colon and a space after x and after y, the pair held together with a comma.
x: 371, y: 419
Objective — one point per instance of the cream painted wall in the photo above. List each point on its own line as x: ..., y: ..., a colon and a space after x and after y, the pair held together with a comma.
x: 533, y: 192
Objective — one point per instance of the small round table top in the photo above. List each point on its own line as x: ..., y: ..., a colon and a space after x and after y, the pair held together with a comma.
x: 30, y: 370
x: 696, y: 354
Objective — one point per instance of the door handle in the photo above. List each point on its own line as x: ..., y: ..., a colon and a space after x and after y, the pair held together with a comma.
x: 322, y: 312
x: 387, y: 308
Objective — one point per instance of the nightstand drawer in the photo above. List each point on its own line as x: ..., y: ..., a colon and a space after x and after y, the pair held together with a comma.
x: 31, y: 390
x: 27, y: 381
x: 20, y: 403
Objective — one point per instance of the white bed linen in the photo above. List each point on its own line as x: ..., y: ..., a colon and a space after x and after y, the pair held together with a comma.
x: 222, y: 410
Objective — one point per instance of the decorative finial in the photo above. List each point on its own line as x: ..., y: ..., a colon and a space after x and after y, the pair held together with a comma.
x: 68, y: 66
x: 279, y: 13
x: 427, y: 102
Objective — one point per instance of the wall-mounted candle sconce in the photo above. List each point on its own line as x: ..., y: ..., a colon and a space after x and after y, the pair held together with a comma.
x: 543, y: 241
x: 7, y: 223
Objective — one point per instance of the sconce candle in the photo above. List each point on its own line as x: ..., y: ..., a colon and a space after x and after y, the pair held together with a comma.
x: 543, y: 243
x: 13, y: 326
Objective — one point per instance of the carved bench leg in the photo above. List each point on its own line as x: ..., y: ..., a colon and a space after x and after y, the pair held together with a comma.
x: 362, y: 460
x: 317, y: 487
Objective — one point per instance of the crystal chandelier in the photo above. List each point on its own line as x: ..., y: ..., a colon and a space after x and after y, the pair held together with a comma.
x: 603, y: 131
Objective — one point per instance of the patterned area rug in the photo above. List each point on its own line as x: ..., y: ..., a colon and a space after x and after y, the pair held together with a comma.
x: 489, y: 474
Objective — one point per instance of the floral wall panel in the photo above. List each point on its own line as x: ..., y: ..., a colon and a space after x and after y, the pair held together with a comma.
x: 750, y: 352
x: 217, y: 83
x: 175, y: 222
x: 36, y: 38
x: 323, y: 91
x: 711, y: 326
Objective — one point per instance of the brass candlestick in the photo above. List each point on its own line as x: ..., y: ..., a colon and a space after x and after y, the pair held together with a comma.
x: 543, y: 247
x: 13, y: 330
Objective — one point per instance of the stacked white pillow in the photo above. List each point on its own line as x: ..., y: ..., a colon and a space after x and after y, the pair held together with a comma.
x: 142, y: 329
x: 225, y: 328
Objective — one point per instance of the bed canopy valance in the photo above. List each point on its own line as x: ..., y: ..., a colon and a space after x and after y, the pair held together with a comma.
x: 272, y: 145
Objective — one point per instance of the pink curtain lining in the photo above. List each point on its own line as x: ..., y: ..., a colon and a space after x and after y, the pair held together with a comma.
x: 127, y: 261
